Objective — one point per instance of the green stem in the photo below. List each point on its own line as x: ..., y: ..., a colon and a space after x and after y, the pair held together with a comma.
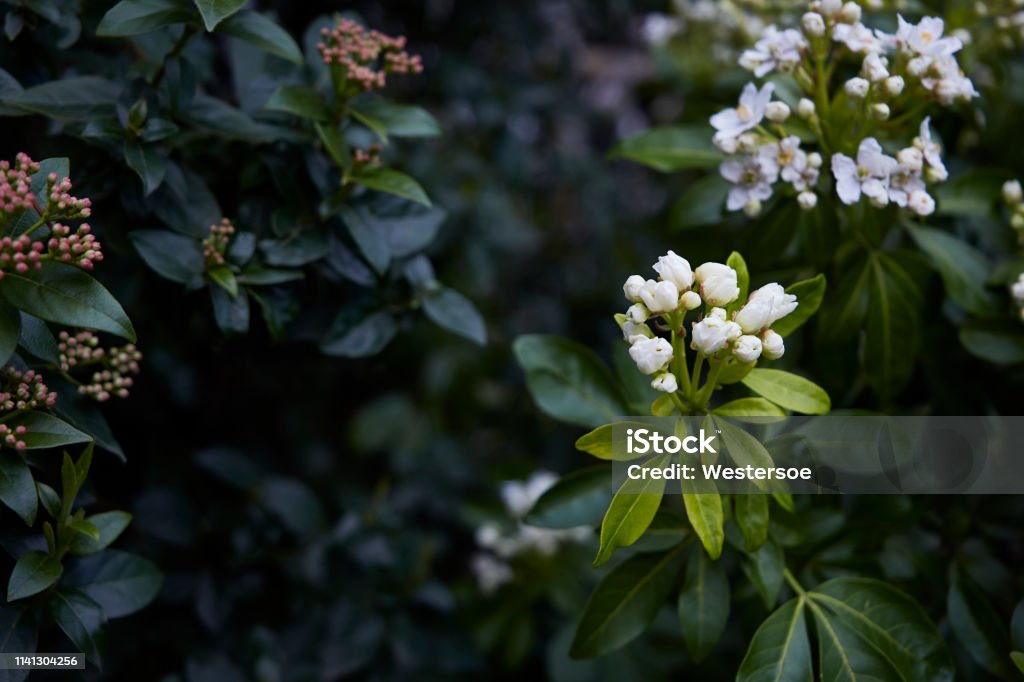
x: 821, y: 101
x: 35, y: 226
x: 695, y: 378
x: 794, y: 583
x: 186, y: 35
x: 681, y: 368
x: 709, y: 386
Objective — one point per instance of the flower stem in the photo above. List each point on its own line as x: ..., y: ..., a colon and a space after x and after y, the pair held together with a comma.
x: 709, y: 386
x: 695, y: 377
x: 681, y: 368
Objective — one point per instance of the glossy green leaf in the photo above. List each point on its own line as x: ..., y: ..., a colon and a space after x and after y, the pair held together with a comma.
x: 780, y: 650
x: 302, y: 101
x: 43, y: 430
x: 752, y: 518
x: 451, y: 310
x: 355, y: 340
x: 579, y: 498
x: 82, y: 620
x: 79, y: 98
x: 669, y: 148
x: 10, y: 330
x: 33, y: 573
x: 173, y: 256
x: 703, y: 605
x: 736, y: 262
x: 262, y: 32
x: 17, y: 488
x: 216, y: 11
x: 1001, y: 343
x: 230, y: 312
x: 749, y: 407
x: 845, y: 309
x: 224, y: 278
x: 85, y: 528
x: 147, y: 163
x: 605, y: 441
x: 978, y: 626
x: 765, y: 568
x: 121, y: 583
x: 391, y: 181
x: 704, y: 510
x: 809, y: 295
x: 568, y: 381
x: 963, y: 268
x: 788, y: 390
x: 110, y: 526
x: 400, y: 120
x: 134, y: 17
x: 624, y: 602
x: 66, y: 295
x: 892, y: 333
x: 632, y: 509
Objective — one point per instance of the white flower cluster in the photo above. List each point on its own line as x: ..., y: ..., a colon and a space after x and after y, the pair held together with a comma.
x: 679, y: 289
x: 883, y: 179
x: 1017, y: 289
x: 1014, y: 198
x: 491, y: 567
x: 758, y: 160
x: 917, y: 62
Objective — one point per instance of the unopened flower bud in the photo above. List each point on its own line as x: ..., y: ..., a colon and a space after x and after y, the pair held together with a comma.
x: 676, y: 269
x: 747, y: 348
x: 814, y: 160
x: 691, y: 300
x: 814, y: 24
x: 879, y: 111
x: 777, y: 112
x: 805, y: 108
x: 665, y: 382
x: 1012, y: 194
x: 831, y: 8
x: 727, y: 145
x: 933, y: 174
x: 637, y: 313
x: 918, y: 66
x: 1017, y: 221
x: 894, y: 85
x: 660, y: 297
x: 857, y: 88
x: 874, y: 69
x: 772, y: 345
x: 807, y: 200
x: 748, y: 142
x: 651, y: 355
x: 921, y: 203
x: 752, y: 208
x: 718, y: 283
x: 632, y: 287
x: 850, y: 13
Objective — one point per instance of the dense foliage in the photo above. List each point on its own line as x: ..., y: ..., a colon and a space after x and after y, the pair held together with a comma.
x: 352, y: 246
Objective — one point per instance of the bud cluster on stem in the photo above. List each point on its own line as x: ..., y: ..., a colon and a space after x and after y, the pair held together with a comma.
x: 364, y: 57
x: 114, y: 368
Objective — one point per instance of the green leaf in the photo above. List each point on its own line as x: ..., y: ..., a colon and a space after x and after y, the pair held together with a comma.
x: 19, y: 633
x: 34, y: 572
x: 224, y: 278
x: 300, y: 249
x: 892, y: 332
x: 268, y: 276
x: 788, y: 390
x: 843, y: 315
x: 978, y: 626
x: 400, y: 120
x: 368, y: 235
x: 216, y: 11
x: 17, y: 489
x: 451, y: 310
x: 172, y: 256
x: 703, y: 605
x: 294, y: 504
x: 376, y: 127
x: 765, y: 568
x: 701, y: 203
x: 79, y: 98
x: 304, y: 102
x: 670, y: 148
x: 631, y: 511
x: 780, y: 650
x: 121, y: 583
x: 704, y: 510
x: 262, y: 32
x: 46, y: 431
x: 1018, y: 659
x: 49, y: 499
x: 334, y: 143
x: 230, y: 312
x: 1001, y: 343
x: 603, y: 444
x: 749, y: 407
x: 366, y: 337
x: 147, y: 163
x: 809, y: 295
x: 568, y: 381
x: 736, y: 262
x: 752, y: 518
x: 733, y: 371
x: 85, y: 528
x: 37, y: 339
x: 963, y: 268
x: 624, y: 602
x: 109, y: 524
x: 577, y: 499
x: 10, y: 330
x: 134, y: 17
x: 82, y: 620
x: 746, y: 450
x: 66, y: 295
x: 393, y: 182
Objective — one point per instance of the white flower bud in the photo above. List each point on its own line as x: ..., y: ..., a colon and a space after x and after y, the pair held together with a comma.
x: 879, y: 111
x: 814, y: 160
x: 814, y: 24
x: 777, y: 112
x: 933, y: 174
x: 772, y: 345
x: 857, y: 88
x: 718, y: 313
x: 632, y: 288
x: 894, y: 85
x: 1017, y: 221
x: 807, y: 200
x: 676, y: 269
x: 921, y: 203
x: 918, y: 66
x: 879, y: 200
x: 651, y: 355
x: 873, y: 69
x: 752, y: 208
x: 712, y: 334
x: 911, y: 158
x: 874, y: 5
x: 726, y: 145
x: 850, y: 13
x: 665, y: 382
x: 637, y: 313
x: 691, y: 300
x: 805, y: 108
x: 633, y: 332
x: 660, y: 297
x: 718, y: 283
x: 831, y: 7
x: 747, y: 348
x: 1012, y: 192
x: 764, y: 307
x: 748, y: 142
x: 1017, y: 289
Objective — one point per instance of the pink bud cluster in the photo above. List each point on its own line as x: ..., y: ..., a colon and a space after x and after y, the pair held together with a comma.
x: 83, y: 348
x: 368, y: 156
x: 216, y: 245
x: 15, y: 184
x: 9, y: 436
x: 78, y: 349
x: 78, y: 247
x: 20, y: 254
x: 367, y: 56
x: 24, y: 390
x: 61, y: 203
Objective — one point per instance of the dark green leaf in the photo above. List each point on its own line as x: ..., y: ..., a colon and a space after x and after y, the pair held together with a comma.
x: 85, y: 528
x: 79, y: 98
x: 780, y: 650
x: 133, y: 17
x: 173, y: 256
x: 392, y: 182
x: 147, y: 163
x: 400, y: 120
x: 302, y: 101
x: 17, y: 489
x: 994, y: 342
x: 752, y: 518
x: 632, y: 509
x: 216, y: 11
x: 451, y: 310
x: 231, y: 312
x: 110, y: 526
x: 294, y: 504
x: 121, y: 583
x: 37, y: 339
x: 46, y: 431
x: 703, y: 605
x: 962, y: 267
x: 224, y: 278
x: 766, y: 570
x: 268, y: 276
x: 577, y: 499
x: 704, y: 510
x: 670, y: 148
x: 366, y: 337
x: 34, y: 572
x: 82, y: 620
x: 369, y: 235
x: 701, y: 203
x: 809, y: 294
x: 10, y: 330
x: 299, y: 249
x: 892, y: 333
x: 258, y: 30
x: 978, y: 626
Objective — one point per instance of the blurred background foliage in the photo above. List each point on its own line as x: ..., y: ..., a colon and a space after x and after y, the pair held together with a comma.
x: 316, y: 516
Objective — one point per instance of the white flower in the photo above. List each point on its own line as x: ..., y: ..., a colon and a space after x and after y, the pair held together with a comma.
x: 921, y: 203
x: 873, y: 69
x: 752, y: 177
x: 814, y: 24
x: 660, y: 297
x: 807, y: 200
x: 904, y: 181
x: 752, y: 208
x: 775, y: 49
x: 793, y: 162
x: 747, y: 115
x: 925, y: 38
x: 764, y: 307
x: 712, y: 334
x: 658, y: 29
x: 665, y: 382
x: 857, y: 88
x: 633, y: 332
x: 676, y: 269
x: 651, y: 355
x: 490, y: 573
x: 718, y: 283
x: 777, y: 112
x: 1012, y: 193
x: 857, y: 37
x: 747, y: 348
x: 487, y: 535
x: 691, y: 300
x: 1017, y: 289
x: 879, y: 111
x: 519, y: 497
x: 868, y: 175
x: 911, y: 158
x: 772, y: 345
x: 947, y: 81
x: 931, y: 150
x: 631, y: 289
x: 718, y: 312
x: 637, y: 313
x: 894, y: 85
x: 726, y: 145
x: 805, y: 108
